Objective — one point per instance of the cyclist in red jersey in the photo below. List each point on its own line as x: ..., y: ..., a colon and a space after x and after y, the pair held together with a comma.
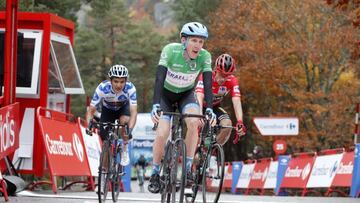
x: 224, y: 82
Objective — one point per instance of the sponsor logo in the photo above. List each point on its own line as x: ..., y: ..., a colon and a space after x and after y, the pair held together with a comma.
x: 145, y: 143
x: 58, y: 147
x: 345, y: 168
x: 163, y: 55
x: 7, y: 132
x: 78, y: 148
x: 236, y: 167
x: 208, y: 61
x: 306, y: 171
x: 236, y: 89
x: 177, y: 65
x: 284, y: 161
x: 291, y: 126
x: 296, y: 172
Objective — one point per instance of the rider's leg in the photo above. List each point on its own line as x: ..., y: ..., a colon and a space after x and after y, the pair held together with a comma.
x: 224, y: 120
x: 224, y: 133
x: 191, y: 138
x: 162, y: 134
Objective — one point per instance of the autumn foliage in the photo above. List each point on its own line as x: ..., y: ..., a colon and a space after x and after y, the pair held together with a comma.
x: 294, y: 58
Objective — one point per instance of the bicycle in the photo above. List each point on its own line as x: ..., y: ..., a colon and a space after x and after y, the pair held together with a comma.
x: 208, y: 165
x: 110, y: 169
x: 173, y: 168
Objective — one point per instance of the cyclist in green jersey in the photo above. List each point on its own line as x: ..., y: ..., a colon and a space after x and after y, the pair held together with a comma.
x: 179, y: 66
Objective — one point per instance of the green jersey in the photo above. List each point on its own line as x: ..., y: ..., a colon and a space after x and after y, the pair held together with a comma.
x: 181, y: 74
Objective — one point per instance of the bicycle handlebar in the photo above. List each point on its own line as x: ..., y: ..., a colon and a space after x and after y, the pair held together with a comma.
x: 186, y: 115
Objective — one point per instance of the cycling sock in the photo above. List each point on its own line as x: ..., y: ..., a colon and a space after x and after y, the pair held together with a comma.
x: 156, y: 169
x: 188, y: 163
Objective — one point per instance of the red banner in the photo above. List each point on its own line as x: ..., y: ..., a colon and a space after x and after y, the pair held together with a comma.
x: 259, y: 174
x: 9, y: 129
x: 64, y: 148
x: 298, y: 172
x: 344, y: 171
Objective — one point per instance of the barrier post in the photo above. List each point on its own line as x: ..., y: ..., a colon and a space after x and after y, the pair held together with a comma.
x: 355, y: 183
x: 236, y: 170
x: 356, y: 130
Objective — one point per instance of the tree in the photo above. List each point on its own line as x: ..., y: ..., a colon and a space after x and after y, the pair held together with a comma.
x: 112, y: 36
x: 292, y: 63
x: 140, y: 49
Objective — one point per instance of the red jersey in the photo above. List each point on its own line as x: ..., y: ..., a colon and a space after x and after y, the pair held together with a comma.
x: 231, y: 84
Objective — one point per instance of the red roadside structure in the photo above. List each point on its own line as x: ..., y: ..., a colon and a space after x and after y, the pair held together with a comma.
x: 38, y: 69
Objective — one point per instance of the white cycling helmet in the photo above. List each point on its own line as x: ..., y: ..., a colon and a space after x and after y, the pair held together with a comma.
x: 194, y: 29
x: 118, y: 71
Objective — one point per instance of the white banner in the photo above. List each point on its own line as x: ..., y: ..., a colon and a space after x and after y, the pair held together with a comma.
x: 270, y: 181
x: 324, y: 170
x: 93, y: 150
x: 245, y: 175
x: 277, y: 126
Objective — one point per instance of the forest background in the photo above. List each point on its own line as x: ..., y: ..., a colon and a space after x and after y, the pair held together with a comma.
x: 294, y: 58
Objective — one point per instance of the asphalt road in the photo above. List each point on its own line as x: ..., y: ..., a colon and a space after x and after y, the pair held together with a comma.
x: 137, y: 197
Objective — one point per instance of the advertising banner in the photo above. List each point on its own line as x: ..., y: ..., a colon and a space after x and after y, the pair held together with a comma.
x: 64, y: 148
x: 270, y: 182
x: 324, y: 170
x: 298, y: 172
x: 259, y: 174
x: 344, y: 172
x: 355, y: 183
x: 93, y: 150
x: 236, y: 170
x: 283, y: 163
x: 228, y: 175
x: 245, y: 175
x: 9, y: 129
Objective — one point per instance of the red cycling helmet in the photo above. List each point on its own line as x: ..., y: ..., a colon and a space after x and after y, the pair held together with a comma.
x: 225, y: 64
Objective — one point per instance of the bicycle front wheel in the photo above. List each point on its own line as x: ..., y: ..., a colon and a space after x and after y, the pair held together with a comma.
x: 104, y: 172
x: 213, y: 174
x: 116, y: 178
x: 178, y: 171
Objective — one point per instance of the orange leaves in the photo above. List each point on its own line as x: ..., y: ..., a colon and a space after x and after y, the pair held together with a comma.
x: 294, y: 59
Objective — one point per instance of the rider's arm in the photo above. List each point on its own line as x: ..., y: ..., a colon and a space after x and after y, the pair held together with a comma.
x: 159, y: 83
x: 237, y: 108
x: 133, y: 115
x: 207, y: 79
x: 200, y: 98
x: 199, y: 90
x: 90, y: 113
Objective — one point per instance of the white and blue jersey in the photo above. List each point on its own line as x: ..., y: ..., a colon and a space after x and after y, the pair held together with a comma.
x: 105, y: 94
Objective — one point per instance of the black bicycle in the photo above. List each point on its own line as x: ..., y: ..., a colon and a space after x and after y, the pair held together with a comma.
x: 110, y: 169
x: 173, y: 168
x: 208, y: 166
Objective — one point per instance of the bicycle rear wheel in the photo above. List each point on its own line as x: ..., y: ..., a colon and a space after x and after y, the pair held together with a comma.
x: 104, y: 172
x: 178, y: 171
x: 116, y: 179
x: 213, y: 174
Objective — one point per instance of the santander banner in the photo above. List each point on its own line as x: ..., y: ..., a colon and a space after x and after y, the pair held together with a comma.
x: 324, y: 170
x: 344, y: 171
x: 245, y: 175
x: 9, y: 129
x: 259, y: 174
x: 64, y: 148
x: 270, y: 182
x: 298, y: 172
